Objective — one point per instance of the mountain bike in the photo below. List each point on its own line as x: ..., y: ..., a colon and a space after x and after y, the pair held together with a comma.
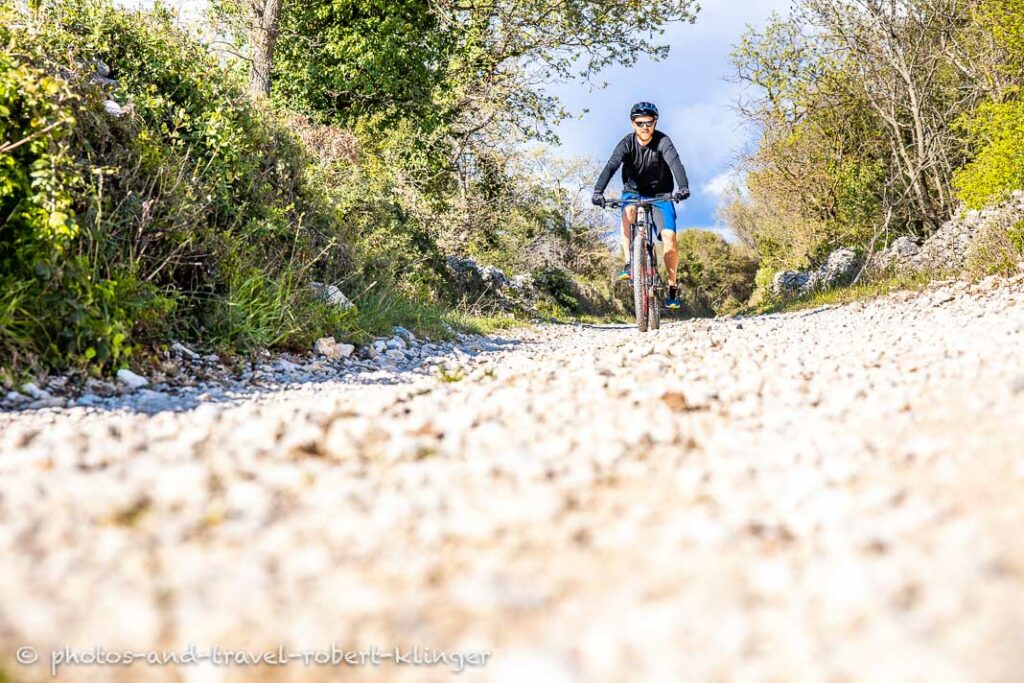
x: 643, y: 260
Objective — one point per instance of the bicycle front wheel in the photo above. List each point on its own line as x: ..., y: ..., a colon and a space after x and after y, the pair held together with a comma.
x: 641, y: 291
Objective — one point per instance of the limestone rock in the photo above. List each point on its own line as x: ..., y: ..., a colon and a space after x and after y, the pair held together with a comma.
x: 31, y: 389
x: 789, y: 283
x: 131, y: 379
x: 332, y: 295
x: 840, y: 269
x: 114, y: 109
x: 900, y: 253
x: 184, y: 351
x: 329, y: 348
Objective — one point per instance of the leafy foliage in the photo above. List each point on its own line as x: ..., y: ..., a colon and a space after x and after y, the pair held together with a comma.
x: 998, y: 131
x: 997, y: 128
x: 160, y: 219
x: 352, y: 59
x: 38, y: 225
x: 875, y: 119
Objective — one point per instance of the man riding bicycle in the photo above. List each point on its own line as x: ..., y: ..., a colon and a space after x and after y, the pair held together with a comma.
x: 649, y: 161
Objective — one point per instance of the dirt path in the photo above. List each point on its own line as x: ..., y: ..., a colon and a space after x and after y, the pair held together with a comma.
x: 831, y: 495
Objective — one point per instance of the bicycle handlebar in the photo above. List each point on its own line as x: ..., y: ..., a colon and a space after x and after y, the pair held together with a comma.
x: 619, y: 203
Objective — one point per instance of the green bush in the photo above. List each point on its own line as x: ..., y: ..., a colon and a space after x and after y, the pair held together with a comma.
x: 763, y: 294
x: 192, y: 215
x: 53, y: 301
x: 998, y: 168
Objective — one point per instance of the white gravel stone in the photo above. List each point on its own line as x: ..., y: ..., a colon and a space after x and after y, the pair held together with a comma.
x: 113, y: 108
x: 184, y: 351
x: 332, y: 295
x: 131, y: 379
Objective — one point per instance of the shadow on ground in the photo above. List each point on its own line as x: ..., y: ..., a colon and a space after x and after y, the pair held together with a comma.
x: 233, y: 389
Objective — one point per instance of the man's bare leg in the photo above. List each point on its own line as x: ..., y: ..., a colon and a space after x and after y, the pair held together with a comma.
x: 671, y: 255
x: 628, y: 218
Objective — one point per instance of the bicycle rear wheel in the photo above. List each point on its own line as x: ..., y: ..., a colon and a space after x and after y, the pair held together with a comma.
x: 641, y: 290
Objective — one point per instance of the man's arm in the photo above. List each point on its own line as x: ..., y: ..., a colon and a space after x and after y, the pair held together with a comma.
x: 610, y: 168
x: 668, y: 150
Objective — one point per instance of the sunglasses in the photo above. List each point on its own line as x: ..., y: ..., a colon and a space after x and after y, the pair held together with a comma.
x: 644, y: 124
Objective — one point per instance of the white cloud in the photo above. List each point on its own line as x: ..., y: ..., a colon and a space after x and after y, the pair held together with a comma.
x: 722, y: 183
x: 707, y: 133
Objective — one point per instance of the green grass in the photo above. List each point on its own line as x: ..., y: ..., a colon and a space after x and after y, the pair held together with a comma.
x: 490, y: 324
x: 844, y: 295
x: 450, y: 376
x: 484, y: 324
x: 586, y: 319
x: 379, y: 312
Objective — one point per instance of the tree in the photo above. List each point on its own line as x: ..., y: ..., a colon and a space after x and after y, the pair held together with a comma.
x: 266, y: 25
x: 813, y: 184
x: 470, y: 67
x: 895, y: 49
x: 862, y: 107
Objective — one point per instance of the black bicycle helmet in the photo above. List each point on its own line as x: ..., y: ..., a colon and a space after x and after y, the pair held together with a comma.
x: 642, y: 109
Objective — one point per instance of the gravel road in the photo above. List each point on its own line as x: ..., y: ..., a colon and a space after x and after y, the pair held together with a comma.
x: 828, y: 495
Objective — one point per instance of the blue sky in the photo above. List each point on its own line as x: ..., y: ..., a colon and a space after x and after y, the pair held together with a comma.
x: 693, y: 97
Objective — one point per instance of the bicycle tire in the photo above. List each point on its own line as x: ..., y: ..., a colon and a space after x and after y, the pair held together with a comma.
x: 654, y: 310
x: 640, y: 289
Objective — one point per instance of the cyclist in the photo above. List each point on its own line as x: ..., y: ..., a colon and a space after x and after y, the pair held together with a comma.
x: 649, y: 162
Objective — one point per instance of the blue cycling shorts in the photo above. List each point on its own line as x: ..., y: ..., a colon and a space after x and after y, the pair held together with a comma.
x: 664, y: 212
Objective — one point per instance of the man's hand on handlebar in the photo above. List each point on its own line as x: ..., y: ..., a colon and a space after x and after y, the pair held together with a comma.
x: 598, y: 199
x: 681, y: 195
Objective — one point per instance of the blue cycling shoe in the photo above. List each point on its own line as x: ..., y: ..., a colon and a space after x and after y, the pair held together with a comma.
x: 672, y: 302
x: 625, y: 273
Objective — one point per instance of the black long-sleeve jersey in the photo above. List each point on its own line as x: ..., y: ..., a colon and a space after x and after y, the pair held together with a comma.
x: 646, y: 169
